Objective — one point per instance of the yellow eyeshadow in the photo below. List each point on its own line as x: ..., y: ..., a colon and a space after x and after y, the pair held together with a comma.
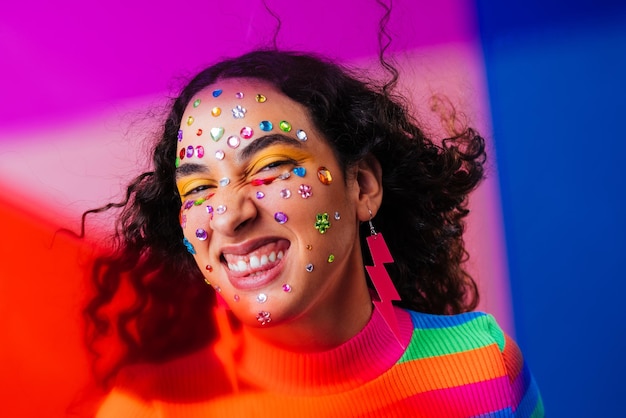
x: 274, y: 154
x: 184, y: 187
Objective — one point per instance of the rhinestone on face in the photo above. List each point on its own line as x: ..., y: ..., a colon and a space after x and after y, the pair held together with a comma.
x: 323, y: 174
x: 264, y: 317
x: 189, y: 120
x: 200, y: 151
x: 239, y: 112
x: 233, y: 141
x: 322, y: 223
x: 331, y: 258
x: 188, y: 204
x: 284, y: 126
x: 246, y: 132
x: 285, y: 193
x: 199, y: 132
x: 260, y: 195
x: 177, y: 162
x: 239, y: 95
x: 301, y: 135
x: 261, y: 298
x: 299, y: 171
x: 207, y: 281
x: 217, y: 133
x: 180, y: 135
x: 309, y: 267
x: 286, y: 288
x: 219, y: 154
x: 220, y: 209
x: 209, y: 210
x: 209, y: 268
x: 181, y: 154
x: 216, y: 93
x: 284, y: 176
x: 305, y: 191
x: 190, y: 151
x: 201, y: 234
x: 236, y: 298
x: 309, y: 247
x: 281, y: 217
x: 216, y: 111
x: 260, y: 98
x: 266, y: 125
x: 337, y: 216
x: 189, y: 246
x: 196, y: 103
x: 224, y: 182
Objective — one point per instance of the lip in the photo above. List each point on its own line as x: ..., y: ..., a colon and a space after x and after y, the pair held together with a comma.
x: 258, y: 277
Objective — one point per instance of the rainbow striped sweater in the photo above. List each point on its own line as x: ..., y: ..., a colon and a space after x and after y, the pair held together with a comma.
x: 453, y: 366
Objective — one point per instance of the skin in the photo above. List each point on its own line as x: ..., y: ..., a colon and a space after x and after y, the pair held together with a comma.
x: 305, y: 318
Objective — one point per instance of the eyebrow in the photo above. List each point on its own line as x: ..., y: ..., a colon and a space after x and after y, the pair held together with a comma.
x: 266, y: 141
x: 188, y: 169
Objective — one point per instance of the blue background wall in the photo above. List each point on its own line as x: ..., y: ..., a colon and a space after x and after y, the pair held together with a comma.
x: 557, y: 83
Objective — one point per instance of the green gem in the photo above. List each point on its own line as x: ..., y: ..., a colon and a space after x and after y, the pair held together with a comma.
x: 331, y: 258
x: 321, y: 222
x: 199, y: 201
x: 177, y: 162
x: 196, y: 103
x: 285, y: 126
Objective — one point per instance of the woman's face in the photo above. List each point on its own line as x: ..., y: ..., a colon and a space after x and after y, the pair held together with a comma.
x: 265, y: 207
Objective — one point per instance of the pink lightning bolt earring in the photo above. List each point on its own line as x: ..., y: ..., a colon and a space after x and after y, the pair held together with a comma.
x: 381, y: 280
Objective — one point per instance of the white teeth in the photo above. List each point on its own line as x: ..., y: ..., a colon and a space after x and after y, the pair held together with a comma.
x: 254, y: 262
x: 241, y: 265
x: 272, y: 256
x: 279, y: 255
x: 264, y: 260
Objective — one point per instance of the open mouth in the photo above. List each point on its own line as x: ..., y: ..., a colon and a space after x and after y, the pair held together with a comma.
x: 257, y: 267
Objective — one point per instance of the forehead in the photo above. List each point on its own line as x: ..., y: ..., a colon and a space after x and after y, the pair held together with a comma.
x: 234, y: 112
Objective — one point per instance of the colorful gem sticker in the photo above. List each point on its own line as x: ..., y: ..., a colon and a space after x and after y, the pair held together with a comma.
x: 260, y: 98
x: 233, y: 141
x: 322, y: 223
x: 260, y: 195
x: 220, y: 209
x: 208, y: 268
x: 216, y: 111
x: 225, y: 181
x: 196, y: 103
x: 239, y: 95
x: 305, y: 191
x: 199, y: 132
x: 301, y: 135
x: 216, y: 93
x: 261, y: 298
x: 337, y: 216
x: 217, y: 133
x: 201, y: 234
x: 284, y: 126
x: 219, y: 154
x: 200, y: 151
x: 309, y: 267
x: 189, y: 120
x: 266, y: 125
x: 180, y: 135
x: 331, y: 258
x: 246, y: 132
x: 239, y: 112
x: 299, y: 171
x: 286, y: 288
x: 264, y: 317
x: 285, y: 193
x: 189, y: 246
x: 323, y: 174
x: 281, y: 217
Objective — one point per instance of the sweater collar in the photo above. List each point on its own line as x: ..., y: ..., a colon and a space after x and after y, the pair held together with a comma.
x: 367, y: 355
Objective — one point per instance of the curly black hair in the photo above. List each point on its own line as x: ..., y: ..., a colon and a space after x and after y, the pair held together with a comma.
x: 426, y: 185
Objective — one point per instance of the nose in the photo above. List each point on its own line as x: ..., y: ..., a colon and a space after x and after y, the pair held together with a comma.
x: 233, y: 210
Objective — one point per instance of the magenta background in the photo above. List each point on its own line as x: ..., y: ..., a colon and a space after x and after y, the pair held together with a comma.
x: 81, y: 89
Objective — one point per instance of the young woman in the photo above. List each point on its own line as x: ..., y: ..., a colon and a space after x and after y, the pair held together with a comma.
x: 328, y: 231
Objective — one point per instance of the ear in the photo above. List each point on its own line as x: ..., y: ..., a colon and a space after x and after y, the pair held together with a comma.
x: 369, y: 179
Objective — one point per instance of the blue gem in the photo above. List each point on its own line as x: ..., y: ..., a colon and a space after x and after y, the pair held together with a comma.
x: 299, y: 171
x: 190, y: 248
x: 266, y: 125
x: 217, y: 92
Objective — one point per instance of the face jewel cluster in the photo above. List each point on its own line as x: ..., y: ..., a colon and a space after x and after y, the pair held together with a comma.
x: 238, y: 112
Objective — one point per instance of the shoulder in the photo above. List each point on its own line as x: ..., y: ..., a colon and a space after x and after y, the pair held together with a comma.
x: 474, y: 343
